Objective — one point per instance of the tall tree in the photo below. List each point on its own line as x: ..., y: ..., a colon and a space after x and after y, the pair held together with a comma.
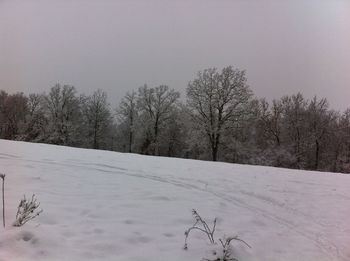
x: 13, y: 110
x: 173, y: 138
x: 294, y: 110
x: 98, y: 118
x: 271, y: 118
x: 318, y: 119
x: 36, y: 120
x: 156, y: 104
x: 127, y: 112
x: 337, y: 143
x: 3, y: 98
x: 63, y: 107
x: 344, y: 129
x: 216, y: 100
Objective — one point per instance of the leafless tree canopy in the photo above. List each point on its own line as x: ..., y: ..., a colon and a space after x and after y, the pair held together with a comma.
x: 221, y: 120
x: 217, y: 100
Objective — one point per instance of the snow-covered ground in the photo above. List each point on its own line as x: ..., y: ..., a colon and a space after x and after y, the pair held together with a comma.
x: 101, y: 205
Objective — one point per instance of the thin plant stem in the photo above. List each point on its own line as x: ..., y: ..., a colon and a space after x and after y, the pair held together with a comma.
x: 3, y: 198
x: 3, y: 202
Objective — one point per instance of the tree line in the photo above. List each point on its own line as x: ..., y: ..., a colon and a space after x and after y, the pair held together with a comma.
x: 220, y: 120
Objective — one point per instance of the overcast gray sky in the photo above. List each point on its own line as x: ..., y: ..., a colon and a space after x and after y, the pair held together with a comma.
x: 286, y: 46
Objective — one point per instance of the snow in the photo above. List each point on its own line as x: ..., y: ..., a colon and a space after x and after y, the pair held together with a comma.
x: 101, y: 205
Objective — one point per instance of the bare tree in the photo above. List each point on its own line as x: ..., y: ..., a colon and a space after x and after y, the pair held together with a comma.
x: 127, y: 113
x: 156, y: 104
x: 318, y: 118
x: 271, y: 119
x: 218, y: 99
x: 98, y: 117
x: 13, y: 110
x: 340, y: 142
x: 3, y: 98
x: 294, y: 110
x: 36, y: 121
x: 174, y: 134
x: 63, y: 107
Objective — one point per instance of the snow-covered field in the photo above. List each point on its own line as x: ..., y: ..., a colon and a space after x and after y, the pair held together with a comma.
x: 101, y: 205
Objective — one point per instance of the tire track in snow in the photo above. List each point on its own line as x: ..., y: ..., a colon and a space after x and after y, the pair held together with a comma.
x: 327, y: 247
x: 320, y: 241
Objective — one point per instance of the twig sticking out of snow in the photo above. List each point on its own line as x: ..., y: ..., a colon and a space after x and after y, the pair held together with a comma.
x: 2, y: 176
x: 229, y: 239
x: 202, y: 226
x: 26, y: 211
x: 226, y: 249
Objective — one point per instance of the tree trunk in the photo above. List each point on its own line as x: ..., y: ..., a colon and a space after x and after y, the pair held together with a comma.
x: 130, y: 140
x: 214, y: 147
x: 95, y: 137
x: 131, y: 129
x: 214, y: 153
x: 317, y: 152
x: 298, y: 156
x: 278, y: 140
x: 156, y: 149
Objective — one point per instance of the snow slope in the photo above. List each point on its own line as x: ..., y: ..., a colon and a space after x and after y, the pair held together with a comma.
x: 101, y: 205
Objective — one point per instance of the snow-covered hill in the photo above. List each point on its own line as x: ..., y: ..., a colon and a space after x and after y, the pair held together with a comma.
x: 101, y: 205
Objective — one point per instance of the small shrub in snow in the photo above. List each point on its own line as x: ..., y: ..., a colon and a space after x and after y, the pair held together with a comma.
x: 224, y: 253
x: 26, y: 211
